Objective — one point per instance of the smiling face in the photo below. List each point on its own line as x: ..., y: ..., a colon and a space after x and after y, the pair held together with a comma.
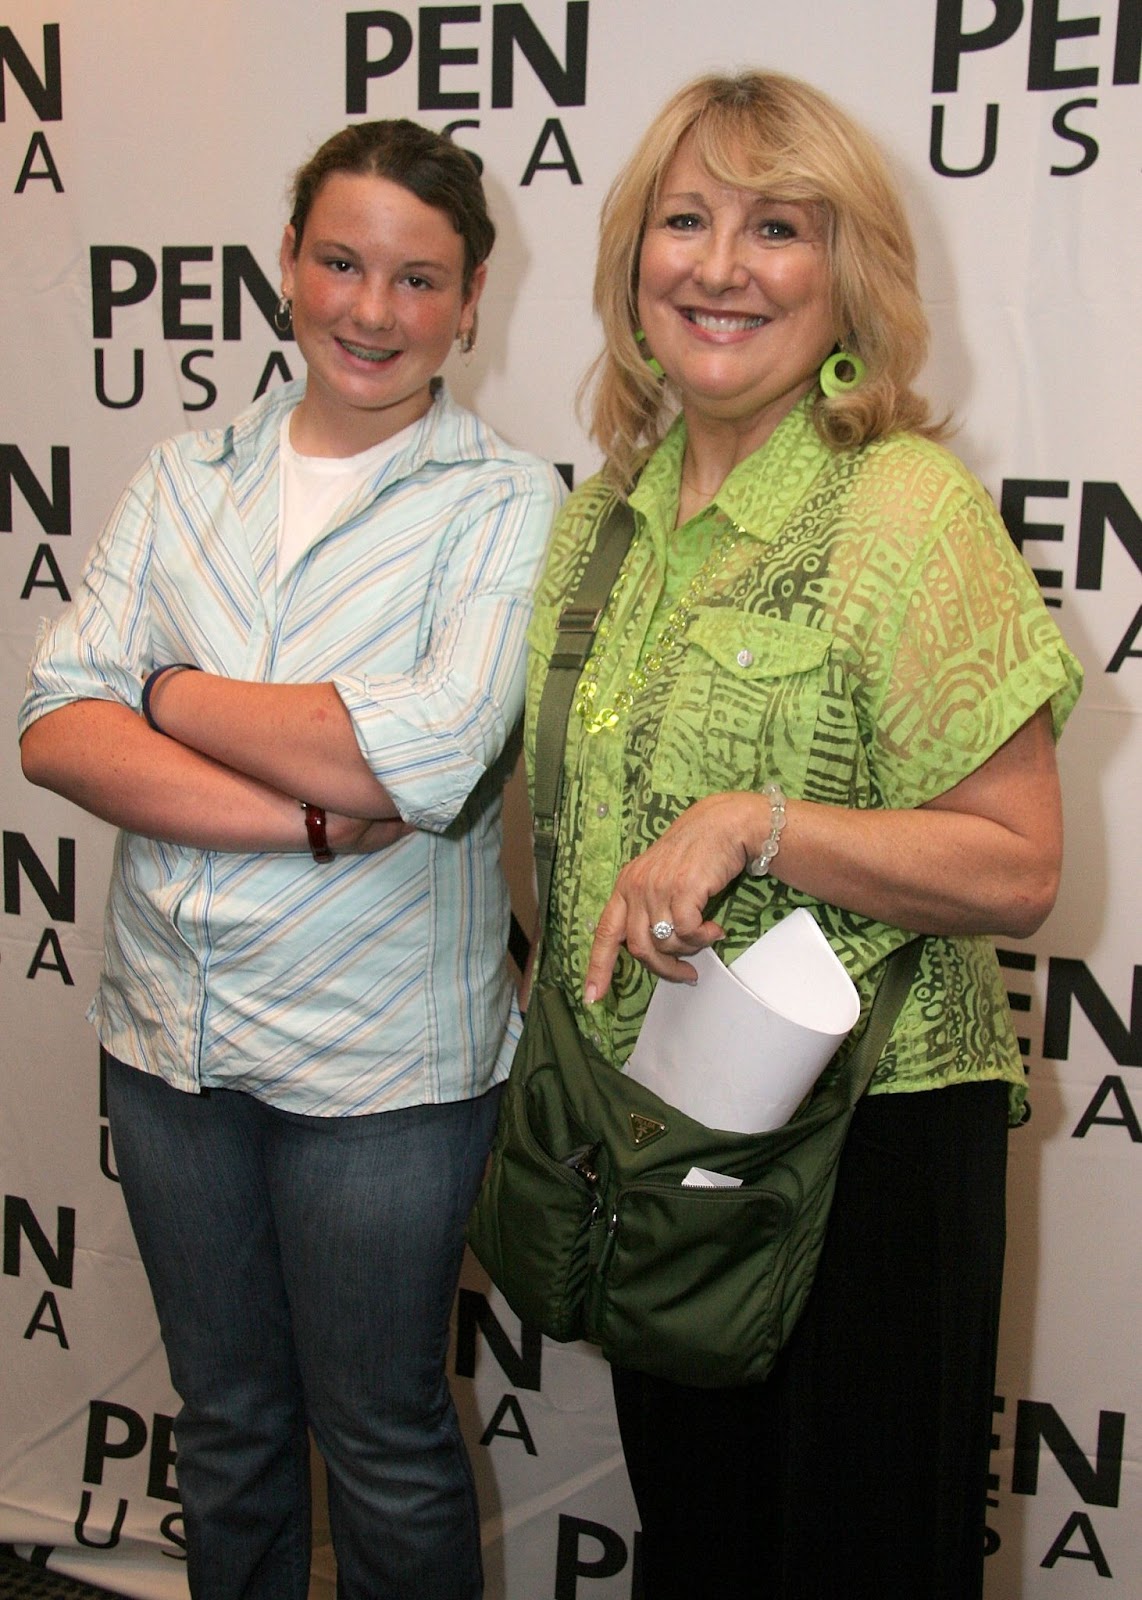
x: 377, y: 286
x: 734, y: 299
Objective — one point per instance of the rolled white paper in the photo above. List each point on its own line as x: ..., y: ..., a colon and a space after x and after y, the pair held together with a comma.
x: 740, y: 1049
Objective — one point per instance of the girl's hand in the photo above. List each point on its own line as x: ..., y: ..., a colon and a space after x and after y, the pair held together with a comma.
x: 362, y: 836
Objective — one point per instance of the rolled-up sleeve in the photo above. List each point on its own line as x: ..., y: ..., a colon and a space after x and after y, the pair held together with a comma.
x: 99, y: 645
x: 977, y: 655
x: 430, y: 735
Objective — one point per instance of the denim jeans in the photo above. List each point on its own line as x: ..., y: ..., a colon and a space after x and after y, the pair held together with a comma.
x: 303, y: 1269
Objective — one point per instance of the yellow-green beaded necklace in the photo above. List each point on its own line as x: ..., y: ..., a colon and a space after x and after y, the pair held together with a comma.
x: 597, y: 718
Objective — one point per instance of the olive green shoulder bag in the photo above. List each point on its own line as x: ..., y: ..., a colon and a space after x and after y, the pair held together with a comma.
x: 582, y: 1220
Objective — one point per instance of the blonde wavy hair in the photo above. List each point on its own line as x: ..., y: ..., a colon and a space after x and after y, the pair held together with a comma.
x: 775, y: 135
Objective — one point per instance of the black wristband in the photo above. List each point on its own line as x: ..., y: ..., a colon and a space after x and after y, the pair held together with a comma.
x: 149, y: 687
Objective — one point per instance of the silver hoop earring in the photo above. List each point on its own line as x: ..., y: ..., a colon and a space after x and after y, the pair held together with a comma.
x: 283, y: 316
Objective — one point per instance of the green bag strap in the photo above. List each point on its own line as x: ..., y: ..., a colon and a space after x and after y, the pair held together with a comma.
x: 578, y: 623
x: 899, y: 971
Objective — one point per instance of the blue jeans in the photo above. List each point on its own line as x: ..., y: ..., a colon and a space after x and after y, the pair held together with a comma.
x: 303, y: 1269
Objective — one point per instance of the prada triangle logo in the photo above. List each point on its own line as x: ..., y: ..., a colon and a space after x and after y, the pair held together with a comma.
x: 643, y: 1129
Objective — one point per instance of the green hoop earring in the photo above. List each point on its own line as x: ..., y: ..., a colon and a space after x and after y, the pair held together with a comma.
x: 841, y: 372
x: 652, y: 361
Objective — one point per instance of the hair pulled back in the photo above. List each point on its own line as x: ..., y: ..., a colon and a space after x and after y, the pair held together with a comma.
x: 427, y: 164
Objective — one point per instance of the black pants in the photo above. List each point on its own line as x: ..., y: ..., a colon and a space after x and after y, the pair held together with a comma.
x: 858, y: 1470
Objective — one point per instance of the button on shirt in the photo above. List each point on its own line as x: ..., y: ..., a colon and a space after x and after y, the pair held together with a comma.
x: 374, y: 981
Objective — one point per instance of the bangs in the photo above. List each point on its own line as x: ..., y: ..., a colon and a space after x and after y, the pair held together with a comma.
x: 749, y: 149
x: 745, y: 151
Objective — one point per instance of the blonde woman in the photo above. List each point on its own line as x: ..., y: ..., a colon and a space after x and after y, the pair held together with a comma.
x: 826, y: 679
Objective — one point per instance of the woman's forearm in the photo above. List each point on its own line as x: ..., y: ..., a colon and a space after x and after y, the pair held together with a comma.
x: 294, y: 737
x: 931, y: 870
x: 984, y: 858
x: 103, y: 757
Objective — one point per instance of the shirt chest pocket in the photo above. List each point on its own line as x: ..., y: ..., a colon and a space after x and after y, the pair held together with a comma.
x: 744, y: 705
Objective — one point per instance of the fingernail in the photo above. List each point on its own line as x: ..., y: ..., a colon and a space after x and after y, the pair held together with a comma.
x: 590, y: 994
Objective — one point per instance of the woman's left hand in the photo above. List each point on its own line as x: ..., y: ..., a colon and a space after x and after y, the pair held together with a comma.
x: 673, y: 881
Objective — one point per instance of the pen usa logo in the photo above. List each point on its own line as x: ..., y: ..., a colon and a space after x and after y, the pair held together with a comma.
x: 1091, y: 510
x: 36, y: 70
x: 966, y: 135
x: 124, y: 276
x: 464, y: 63
x: 1113, y: 1112
x: 1036, y: 1426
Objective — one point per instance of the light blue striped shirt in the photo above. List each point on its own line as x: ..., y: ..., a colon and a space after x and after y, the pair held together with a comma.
x: 375, y: 981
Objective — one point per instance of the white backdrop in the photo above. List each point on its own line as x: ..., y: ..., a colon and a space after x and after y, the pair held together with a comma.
x: 145, y: 151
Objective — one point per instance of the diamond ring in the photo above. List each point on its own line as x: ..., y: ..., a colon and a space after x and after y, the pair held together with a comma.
x: 662, y: 930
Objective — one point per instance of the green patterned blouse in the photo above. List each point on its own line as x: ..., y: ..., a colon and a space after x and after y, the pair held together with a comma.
x: 856, y: 625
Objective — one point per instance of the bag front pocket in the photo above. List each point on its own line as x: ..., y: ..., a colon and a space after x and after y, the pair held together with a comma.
x: 669, y: 1247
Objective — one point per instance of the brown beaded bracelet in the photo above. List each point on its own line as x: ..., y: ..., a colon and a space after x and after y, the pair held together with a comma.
x: 315, y: 822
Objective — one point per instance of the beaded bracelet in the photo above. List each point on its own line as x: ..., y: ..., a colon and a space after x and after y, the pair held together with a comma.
x: 151, y: 683
x: 315, y: 822
x: 759, y: 866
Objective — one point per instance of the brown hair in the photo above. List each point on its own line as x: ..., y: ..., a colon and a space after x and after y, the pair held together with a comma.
x: 774, y: 134
x: 427, y: 164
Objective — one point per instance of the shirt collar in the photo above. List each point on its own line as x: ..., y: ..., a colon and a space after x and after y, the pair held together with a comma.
x: 440, y: 436
x: 758, y: 494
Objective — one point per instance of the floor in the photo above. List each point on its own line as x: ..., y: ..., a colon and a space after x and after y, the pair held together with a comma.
x: 26, y: 1581
x: 322, y: 1574
x: 22, y: 1580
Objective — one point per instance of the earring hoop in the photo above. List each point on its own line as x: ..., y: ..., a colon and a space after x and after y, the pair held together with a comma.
x: 652, y: 361
x: 466, y: 341
x: 283, y: 315
x: 841, y: 372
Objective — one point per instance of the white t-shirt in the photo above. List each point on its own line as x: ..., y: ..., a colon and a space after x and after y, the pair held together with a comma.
x: 312, y: 490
